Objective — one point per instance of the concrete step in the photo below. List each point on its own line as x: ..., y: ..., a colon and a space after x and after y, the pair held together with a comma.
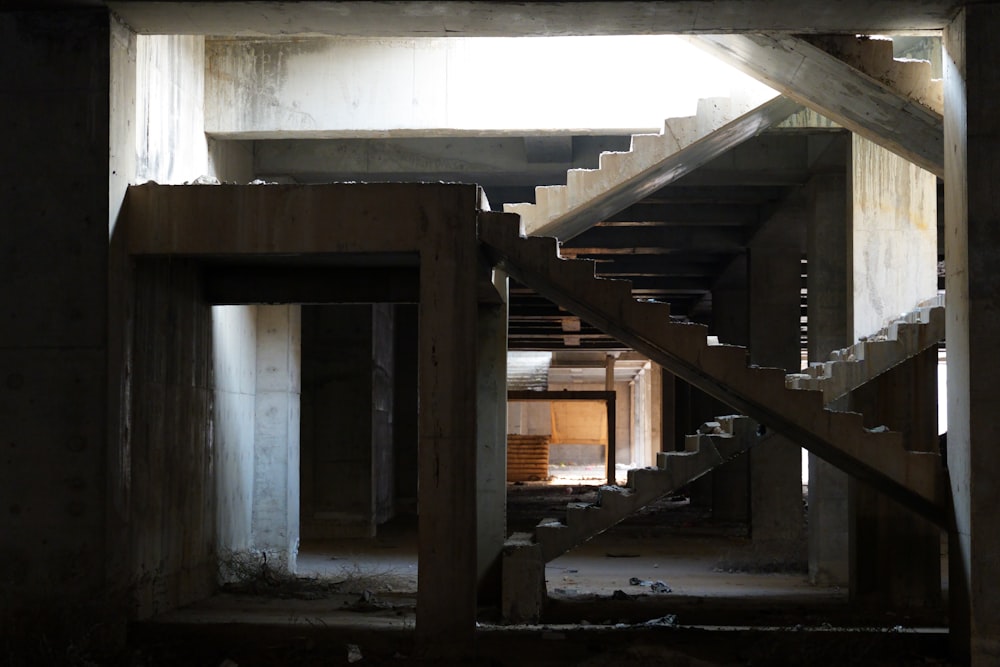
x: 716, y: 443
x: 653, y: 160
x: 874, y: 57
x: 903, y: 338
x: 877, y: 457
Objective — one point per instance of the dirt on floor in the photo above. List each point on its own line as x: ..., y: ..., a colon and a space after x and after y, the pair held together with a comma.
x: 667, y: 587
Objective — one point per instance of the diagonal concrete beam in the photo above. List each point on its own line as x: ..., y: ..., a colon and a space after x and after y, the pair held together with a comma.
x: 833, y: 88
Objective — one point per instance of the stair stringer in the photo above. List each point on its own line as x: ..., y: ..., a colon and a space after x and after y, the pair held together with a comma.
x: 878, y: 457
x: 858, y: 364
x: 715, y: 444
x: 654, y: 160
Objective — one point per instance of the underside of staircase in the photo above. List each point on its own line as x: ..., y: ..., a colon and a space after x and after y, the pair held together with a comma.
x: 878, y: 457
x: 654, y: 160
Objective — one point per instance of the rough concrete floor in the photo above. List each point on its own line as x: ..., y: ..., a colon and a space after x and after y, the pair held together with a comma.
x: 718, y: 611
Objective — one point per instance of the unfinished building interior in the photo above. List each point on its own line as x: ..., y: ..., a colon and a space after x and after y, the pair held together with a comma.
x: 365, y: 264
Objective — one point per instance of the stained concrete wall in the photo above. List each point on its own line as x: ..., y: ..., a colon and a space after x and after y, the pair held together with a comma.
x: 894, y: 235
x: 170, y: 97
x: 234, y: 344
x: 173, y: 492
x: 338, y: 87
x: 54, y: 89
x: 275, y: 516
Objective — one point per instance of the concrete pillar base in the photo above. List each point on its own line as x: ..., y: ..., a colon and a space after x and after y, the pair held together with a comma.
x: 523, y: 596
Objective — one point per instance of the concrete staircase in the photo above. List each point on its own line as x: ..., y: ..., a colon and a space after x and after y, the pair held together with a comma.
x: 874, y: 57
x: 877, y: 456
x: 591, y: 195
x: 714, y: 444
x: 854, y: 366
x: 855, y: 82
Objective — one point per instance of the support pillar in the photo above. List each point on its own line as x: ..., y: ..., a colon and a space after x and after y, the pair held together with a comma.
x: 972, y: 244
x: 609, y: 385
x: 731, y: 481
x: 829, y: 329
x: 275, y: 516
x: 896, y: 559
x: 777, y: 522
x: 447, y: 554
x: 893, y: 266
x: 491, y: 463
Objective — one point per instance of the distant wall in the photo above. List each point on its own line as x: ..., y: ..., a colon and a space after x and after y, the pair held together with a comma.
x: 336, y: 469
x: 894, y: 236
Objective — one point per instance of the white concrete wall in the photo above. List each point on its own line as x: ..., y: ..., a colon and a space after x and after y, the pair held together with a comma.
x: 275, y: 520
x: 170, y: 99
x: 529, y: 418
x: 894, y: 214
x: 336, y: 87
x: 122, y: 141
x: 234, y: 342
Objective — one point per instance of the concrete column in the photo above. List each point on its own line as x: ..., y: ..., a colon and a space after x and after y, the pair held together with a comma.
x: 972, y: 244
x: 829, y: 329
x: 491, y: 463
x: 275, y: 521
x: 655, y: 412
x: 731, y: 482
x: 896, y: 559
x: 668, y: 403
x: 404, y: 418
x: 446, y: 596
x: 54, y: 239
x: 776, y: 513
x: 893, y: 255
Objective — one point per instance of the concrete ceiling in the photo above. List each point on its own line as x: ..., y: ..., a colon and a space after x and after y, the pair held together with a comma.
x: 444, y: 19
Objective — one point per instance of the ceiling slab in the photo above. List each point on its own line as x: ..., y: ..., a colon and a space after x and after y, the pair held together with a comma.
x: 444, y: 19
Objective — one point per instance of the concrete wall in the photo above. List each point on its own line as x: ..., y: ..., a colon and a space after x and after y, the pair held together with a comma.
x: 331, y: 87
x: 234, y: 343
x: 173, y: 490
x: 383, y: 367
x: 337, y: 481
x: 404, y: 412
x: 54, y: 89
x: 275, y: 519
x: 894, y: 235
x: 529, y: 418
x: 170, y: 97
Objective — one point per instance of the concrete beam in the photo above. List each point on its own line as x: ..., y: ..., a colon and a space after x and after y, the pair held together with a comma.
x: 228, y: 220
x: 502, y: 19
x: 507, y: 161
x: 830, y: 86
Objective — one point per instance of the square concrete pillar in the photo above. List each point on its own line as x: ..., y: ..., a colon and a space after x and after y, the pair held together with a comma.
x: 275, y: 519
x: 448, y: 312
x: 893, y: 267
x: 972, y: 245
x: 829, y: 328
x: 777, y: 521
x: 491, y: 462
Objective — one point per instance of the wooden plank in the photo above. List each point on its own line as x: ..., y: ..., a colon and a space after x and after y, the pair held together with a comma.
x: 833, y: 88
